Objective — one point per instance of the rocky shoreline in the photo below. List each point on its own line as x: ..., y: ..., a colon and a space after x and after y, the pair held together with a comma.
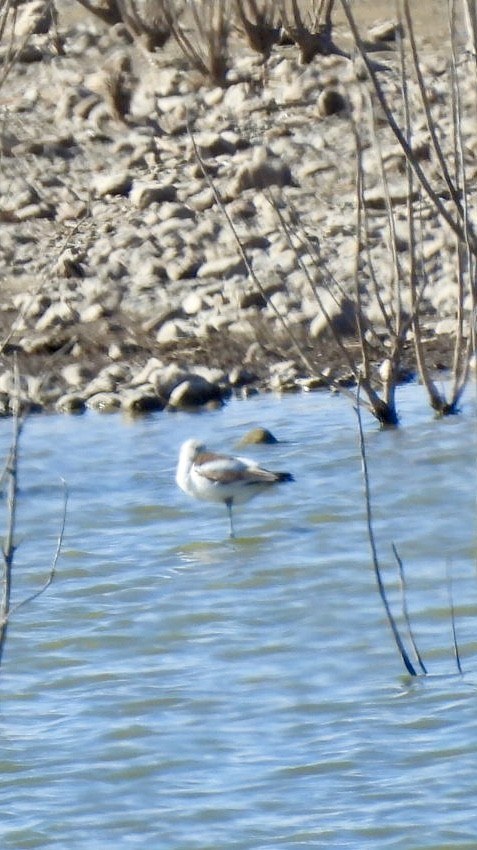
x: 123, y: 283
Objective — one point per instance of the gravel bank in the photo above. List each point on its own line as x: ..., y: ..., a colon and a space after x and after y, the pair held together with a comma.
x: 123, y: 284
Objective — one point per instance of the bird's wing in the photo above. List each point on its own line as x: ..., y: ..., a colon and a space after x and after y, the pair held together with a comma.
x: 224, y: 469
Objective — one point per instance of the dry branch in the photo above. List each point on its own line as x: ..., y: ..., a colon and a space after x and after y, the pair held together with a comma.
x: 374, y: 553
x: 8, y: 550
x: 107, y: 11
x: 315, y: 38
x: 456, y: 217
x: 52, y: 573
x: 151, y: 24
x: 450, y: 595
x: 298, y: 348
x: 207, y: 48
x: 405, y: 609
x: 260, y: 25
x: 454, y: 222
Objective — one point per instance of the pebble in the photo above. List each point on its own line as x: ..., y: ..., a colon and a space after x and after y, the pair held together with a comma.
x: 192, y: 304
x: 222, y: 267
x: 143, y: 193
x: 241, y: 377
x: 165, y: 379
x: 214, y: 144
x: 185, y: 267
x: 104, y: 402
x: 56, y: 314
x: 331, y: 102
x: 141, y: 401
x: 259, y: 172
x: 116, y: 183
x: 76, y: 375
x: 173, y: 330
x: 70, y: 403
x: 203, y: 200
x: 91, y: 313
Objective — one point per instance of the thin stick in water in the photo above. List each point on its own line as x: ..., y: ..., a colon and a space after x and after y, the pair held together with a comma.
x: 59, y: 543
x: 8, y: 551
x: 405, y: 609
x: 452, y: 613
x: 377, y: 570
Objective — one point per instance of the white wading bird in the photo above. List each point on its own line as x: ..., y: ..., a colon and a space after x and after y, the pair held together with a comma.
x: 222, y: 478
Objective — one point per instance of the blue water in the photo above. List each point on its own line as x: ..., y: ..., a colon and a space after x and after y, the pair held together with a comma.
x: 176, y: 689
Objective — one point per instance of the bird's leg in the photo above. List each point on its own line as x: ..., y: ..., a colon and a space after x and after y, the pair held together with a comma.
x: 229, y: 503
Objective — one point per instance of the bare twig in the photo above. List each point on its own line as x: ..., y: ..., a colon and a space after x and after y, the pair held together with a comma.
x: 107, y: 11
x: 151, y: 23
x: 316, y: 38
x: 8, y: 551
x: 436, y: 399
x: 5, y: 7
x: 454, y: 222
x: 452, y: 613
x: 431, y: 124
x: 365, y: 361
x: 467, y: 261
x: 52, y: 573
x: 207, y: 48
x: 362, y: 229
x: 384, y: 413
x: 374, y: 554
x: 470, y: 16
x: 405, y: 609
x: 394, y: 316
x: 8, y: 22
x: 253, y: 277
x: 305, y: 270
x: 9, y: 547
x: 259, y: 24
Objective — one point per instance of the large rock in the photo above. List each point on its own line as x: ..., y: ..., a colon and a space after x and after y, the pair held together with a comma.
x: 195, y: 391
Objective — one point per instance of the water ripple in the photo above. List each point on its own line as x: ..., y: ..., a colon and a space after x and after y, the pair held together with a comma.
x: 176, y: 689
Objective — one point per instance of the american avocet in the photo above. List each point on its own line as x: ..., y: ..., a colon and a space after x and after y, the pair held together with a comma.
x: 222, y: 478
